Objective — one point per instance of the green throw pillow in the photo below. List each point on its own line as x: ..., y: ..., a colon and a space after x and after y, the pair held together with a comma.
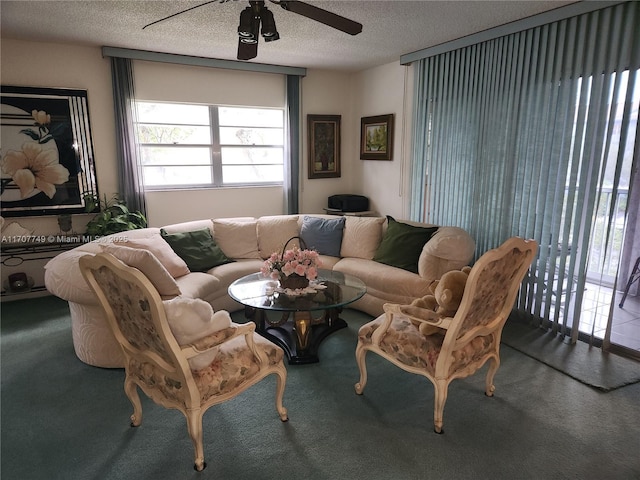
x: 402, y: 244
x: 198, y: 249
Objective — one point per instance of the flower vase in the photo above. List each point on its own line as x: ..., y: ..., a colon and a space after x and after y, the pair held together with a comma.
x: 294, y: 281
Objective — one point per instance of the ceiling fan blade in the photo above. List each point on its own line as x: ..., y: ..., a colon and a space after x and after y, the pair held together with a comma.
x: 323, y: 16
x: 247, y: 51
x: 179, y: 13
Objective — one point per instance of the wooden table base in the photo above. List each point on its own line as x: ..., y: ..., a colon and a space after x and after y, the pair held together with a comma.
x: 300, y: 336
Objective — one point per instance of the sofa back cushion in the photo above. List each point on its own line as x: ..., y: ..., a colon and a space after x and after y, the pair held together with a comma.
x: 175, y: 265
x: 197, y: 249
x: 188, y: 226
x: 450, y: 248
x: 237, y: 237
x: 361, y: 237
x: 274, y: 232
x: 322, y: 234
x: 148, y: 264
x: 402, y: 244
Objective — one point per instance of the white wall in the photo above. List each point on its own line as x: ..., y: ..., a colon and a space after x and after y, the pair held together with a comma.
x: 184, y: 205
x: 377, y: 91
x: 380, y: 91
x: 372, y: 92
x: 327, y: 93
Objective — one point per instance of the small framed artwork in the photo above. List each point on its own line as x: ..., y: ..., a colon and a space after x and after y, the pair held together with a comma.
x: 324, y: 146
x: 46, y: 161
x: 376, y: 137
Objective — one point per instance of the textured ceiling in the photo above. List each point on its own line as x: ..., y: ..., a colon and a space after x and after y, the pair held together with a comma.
x: 391, y: 28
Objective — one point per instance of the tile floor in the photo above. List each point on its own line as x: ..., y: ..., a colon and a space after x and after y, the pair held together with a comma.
x: 625, y: 329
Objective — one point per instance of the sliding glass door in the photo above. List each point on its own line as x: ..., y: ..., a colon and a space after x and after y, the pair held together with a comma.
x: 534, y: 134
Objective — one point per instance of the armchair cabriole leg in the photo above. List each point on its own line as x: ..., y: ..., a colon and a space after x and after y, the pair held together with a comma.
x: 194, y: 426
x: 362, y: 366
x: 131, y: 390
x: 281, y: 382
x: 493, y: 368
x: 440, y: 398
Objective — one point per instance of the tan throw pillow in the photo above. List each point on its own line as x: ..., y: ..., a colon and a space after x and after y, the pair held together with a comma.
x: 157, y: 245
x: 361, y: 237
x: 236, y: 237
x: 274, y: 231
x: 191, y: 319
x: 148, y: 264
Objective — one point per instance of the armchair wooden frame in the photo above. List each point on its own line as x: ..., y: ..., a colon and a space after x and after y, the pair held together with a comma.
x: 461, y: 344
x: 155, y: 362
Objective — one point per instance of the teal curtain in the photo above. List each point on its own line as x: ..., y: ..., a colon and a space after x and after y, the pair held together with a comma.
x: 292, y: 143
x: 130, y: 182
x: 525, y: 135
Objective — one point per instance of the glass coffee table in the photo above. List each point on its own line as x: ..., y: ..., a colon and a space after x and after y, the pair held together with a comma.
x: 297, y: 323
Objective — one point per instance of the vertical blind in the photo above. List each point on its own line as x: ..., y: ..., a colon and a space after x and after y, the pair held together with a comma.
x: 522, y: 136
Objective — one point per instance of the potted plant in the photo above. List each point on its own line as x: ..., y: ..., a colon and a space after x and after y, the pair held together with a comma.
x: 114, y: 216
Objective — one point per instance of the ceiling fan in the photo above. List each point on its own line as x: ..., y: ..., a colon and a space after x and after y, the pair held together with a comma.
x: 257, y: 15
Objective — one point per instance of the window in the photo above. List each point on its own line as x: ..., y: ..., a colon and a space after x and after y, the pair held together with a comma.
x: 200, y: 145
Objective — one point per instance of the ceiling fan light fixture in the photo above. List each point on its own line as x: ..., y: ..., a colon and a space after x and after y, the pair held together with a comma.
x: 269, y: 32
x: 246, y: 27
x: 272, y: 38
x: 257, y: 15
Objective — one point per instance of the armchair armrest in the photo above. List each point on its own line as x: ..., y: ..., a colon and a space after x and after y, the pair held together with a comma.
x: 217, y: 338
x: 418, y: 314
x: 222, y: 336
x: 392, y: 309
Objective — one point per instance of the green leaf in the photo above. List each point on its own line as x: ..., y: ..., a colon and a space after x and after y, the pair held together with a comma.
x: 30, y: 133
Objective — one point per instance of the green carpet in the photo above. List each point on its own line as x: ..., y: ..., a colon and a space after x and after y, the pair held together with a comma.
x: 64, y: 420
x: 589, y: 365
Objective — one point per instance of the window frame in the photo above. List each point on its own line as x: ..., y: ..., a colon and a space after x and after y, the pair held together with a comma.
x: 215, y: 147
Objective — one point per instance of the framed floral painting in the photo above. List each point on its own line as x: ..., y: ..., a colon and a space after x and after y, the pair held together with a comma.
x: 46, y: 155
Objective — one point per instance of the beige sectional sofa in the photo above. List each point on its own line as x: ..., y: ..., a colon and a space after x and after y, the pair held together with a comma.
x: 246, y: 242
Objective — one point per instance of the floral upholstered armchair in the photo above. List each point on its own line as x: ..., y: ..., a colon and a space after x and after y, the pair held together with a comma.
x: 457, y: 346
x: 177, y: 351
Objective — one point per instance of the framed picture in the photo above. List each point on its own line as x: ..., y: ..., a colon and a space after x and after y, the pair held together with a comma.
x: 376, y: 137
x: 46, y: 158
x: 324, y: 146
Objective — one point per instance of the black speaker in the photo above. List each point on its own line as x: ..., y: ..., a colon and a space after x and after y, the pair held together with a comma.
x: 348, y: 203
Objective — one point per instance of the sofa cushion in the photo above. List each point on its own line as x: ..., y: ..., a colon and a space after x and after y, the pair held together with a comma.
x: 274, y: 232
x: 237, y: 237
x: 230, y: 272
x: 384, y: 281
x: 191, y: 319
x: 361, y: 237
x: 451, y: 248
x: 196, y: 248
x: 189, y: 226
x: 402, y: 244
x: 148, y: 264
x: 175, y: 265
x: 323, y: 235
x: 198, y: 285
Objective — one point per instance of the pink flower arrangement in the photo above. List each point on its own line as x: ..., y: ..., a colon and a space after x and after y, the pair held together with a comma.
x: 304, y: 263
